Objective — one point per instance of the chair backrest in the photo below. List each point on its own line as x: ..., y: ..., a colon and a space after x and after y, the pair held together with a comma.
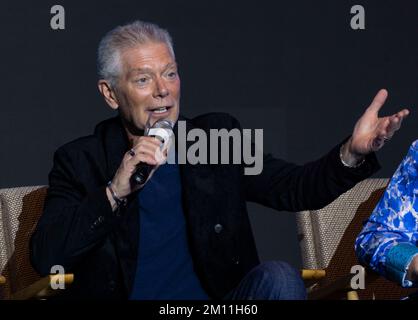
x: 20, y: 209
x: 327, y: 237
x: 320, y: 231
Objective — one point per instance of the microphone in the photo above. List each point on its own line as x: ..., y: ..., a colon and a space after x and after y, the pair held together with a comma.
x: 163, y: 131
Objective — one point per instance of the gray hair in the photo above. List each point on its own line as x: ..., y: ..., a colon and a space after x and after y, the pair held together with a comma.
x: 123, y: 37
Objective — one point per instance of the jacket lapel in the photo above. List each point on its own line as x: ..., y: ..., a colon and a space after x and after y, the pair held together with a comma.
x: 126, y: 233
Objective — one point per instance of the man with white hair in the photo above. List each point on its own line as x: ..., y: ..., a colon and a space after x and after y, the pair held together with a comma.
x: 185, y: 233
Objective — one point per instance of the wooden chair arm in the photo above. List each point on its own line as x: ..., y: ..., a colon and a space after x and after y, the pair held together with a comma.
x: 341, y: 284
x: 352, y: 295
x: 42, y: 288
x: 312, y: 274
x: 2, y: 280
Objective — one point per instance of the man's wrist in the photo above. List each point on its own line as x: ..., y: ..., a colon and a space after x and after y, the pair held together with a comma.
x: 350, y: 159
x: 111, y: 200
x: 114, y: 199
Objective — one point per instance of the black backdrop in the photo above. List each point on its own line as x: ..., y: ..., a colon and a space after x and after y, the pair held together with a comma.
x: 294, y: 68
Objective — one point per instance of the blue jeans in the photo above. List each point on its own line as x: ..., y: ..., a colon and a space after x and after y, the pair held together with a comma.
x: 273, y: 280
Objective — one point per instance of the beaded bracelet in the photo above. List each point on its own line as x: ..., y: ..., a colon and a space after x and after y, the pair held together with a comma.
x: 346, y: 164
x: 119, y: 201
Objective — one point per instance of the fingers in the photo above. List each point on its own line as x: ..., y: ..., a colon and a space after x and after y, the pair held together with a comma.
x: 141, y: 155
x: 146, y: 140
x: 403, y: 113
x: 145, y: 148
x: 387, y: 128
x: 148, y: 150
x: 394, y: 123
x: 377, y: 143
x: 378, y: 101
x: 382, y: 130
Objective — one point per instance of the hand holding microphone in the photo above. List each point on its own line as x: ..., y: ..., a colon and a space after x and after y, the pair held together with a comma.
x: 139, y: 163
x: 163, y: 131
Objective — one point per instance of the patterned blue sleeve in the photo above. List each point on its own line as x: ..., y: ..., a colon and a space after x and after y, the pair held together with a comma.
x: 388, y: 241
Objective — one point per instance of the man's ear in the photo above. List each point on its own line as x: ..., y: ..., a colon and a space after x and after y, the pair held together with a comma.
x: 108, y: 93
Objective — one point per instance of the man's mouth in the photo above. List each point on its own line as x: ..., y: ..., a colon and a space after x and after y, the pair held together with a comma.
x: 160, y: 110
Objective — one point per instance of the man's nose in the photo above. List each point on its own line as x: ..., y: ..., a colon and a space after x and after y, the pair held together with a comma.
x: 161, y: 90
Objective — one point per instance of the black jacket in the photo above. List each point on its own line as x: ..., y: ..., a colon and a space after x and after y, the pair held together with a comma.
x: 79, y: 231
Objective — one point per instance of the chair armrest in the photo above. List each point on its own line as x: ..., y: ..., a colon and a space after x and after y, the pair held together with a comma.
x: 42, y: 288
x: 2, y: 280
x: 312, y: 274
x: 340, y: 284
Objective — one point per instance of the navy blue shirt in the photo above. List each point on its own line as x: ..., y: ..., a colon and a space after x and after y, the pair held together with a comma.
x: 165, y: 267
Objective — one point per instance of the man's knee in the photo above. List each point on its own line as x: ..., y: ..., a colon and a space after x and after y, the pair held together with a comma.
x: 275, y: 270
x: 282, y: 278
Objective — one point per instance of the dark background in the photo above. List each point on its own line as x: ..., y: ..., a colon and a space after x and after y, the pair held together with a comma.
x: 294, y: 68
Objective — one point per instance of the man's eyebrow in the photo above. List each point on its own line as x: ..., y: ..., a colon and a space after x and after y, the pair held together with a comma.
x: 149, y: 70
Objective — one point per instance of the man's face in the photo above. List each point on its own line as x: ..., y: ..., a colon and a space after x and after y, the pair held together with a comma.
x: 148, y: 86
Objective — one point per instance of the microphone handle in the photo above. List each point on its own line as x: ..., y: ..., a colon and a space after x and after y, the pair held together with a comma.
x: 141, y: 173
x: 143, y: 170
